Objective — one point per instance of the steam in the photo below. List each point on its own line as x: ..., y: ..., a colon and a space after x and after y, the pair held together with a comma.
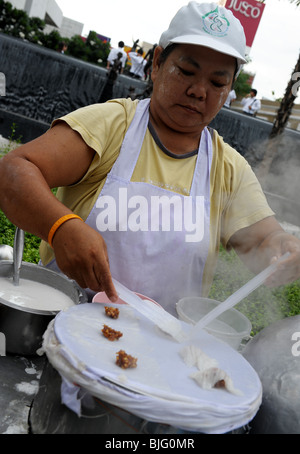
x: 276, y: 163
x: 262, y: 307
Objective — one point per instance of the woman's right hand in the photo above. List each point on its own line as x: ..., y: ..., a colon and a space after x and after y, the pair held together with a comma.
x: 81, y: 254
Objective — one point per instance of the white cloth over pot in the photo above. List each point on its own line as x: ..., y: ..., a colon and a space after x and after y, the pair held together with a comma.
x: 160, y: 388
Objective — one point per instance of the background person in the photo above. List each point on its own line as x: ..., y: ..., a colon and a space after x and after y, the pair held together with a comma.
x: 251, y: 104
x: 149, y: 60
x: 112, y: 75
x: 114, y: 54
x: 137, y: 64
x: 230, y: 99
x: 112, y: 161
x: 62, y: 47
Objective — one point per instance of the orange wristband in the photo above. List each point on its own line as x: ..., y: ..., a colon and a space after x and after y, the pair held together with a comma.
x: 58, y: 223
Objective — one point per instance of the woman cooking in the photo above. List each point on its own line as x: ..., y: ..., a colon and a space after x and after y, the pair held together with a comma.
x: 147, y: 191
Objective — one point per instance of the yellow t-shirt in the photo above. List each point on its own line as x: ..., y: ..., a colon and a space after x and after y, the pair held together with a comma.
x: 237, y: 199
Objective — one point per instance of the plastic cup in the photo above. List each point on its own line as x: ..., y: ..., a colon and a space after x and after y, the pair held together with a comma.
x: 231, y: 326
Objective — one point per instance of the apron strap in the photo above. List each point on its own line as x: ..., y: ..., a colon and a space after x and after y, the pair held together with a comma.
x: 132, y: 143
x: 201, y: 178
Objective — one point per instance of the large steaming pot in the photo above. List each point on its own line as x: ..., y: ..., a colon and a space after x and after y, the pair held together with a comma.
x: 275, y: 355
x: 24, y: 327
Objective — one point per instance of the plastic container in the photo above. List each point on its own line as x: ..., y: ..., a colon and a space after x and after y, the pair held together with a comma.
x: 231, y: 326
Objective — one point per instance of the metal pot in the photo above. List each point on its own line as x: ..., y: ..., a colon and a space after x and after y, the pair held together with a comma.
x: 275, y: 355
x: 23, y: 327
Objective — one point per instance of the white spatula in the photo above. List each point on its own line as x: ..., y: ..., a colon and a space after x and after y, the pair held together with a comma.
x: 163, y: 319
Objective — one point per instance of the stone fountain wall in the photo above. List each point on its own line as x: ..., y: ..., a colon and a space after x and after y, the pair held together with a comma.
x: 42, y: 84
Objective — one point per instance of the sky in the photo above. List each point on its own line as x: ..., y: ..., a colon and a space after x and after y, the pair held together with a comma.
x: 274, y: 52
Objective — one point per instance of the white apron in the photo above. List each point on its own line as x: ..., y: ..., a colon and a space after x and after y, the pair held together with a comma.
x: 157, y: 240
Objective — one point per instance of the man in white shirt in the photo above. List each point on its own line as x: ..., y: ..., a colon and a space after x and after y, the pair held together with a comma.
x: 113, y: 55
x: 137, y: 64
x: 230, y: 98
x: 251, y: 104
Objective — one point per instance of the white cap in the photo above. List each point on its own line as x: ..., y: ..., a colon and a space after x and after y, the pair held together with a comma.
x: 209, y: 25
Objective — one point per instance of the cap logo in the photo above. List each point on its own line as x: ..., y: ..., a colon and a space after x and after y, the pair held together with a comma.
x: 215, y: 24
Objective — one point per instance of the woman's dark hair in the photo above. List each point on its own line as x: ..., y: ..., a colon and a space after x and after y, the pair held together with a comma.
x: 166, y: 52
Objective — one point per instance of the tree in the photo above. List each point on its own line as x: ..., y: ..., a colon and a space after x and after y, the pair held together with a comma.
x: 280, y: 122
x: 17, y: 23
x: 242, y: 85
x: 77, y: 48
x: 288, y: 100
x: 287, y: 103
x: 98, y: 50
x: 51, y: 40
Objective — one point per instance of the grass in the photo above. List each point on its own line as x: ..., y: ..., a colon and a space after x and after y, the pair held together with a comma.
x: 263, y: 307
x: 13, y: 141
x: 32, y: 243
